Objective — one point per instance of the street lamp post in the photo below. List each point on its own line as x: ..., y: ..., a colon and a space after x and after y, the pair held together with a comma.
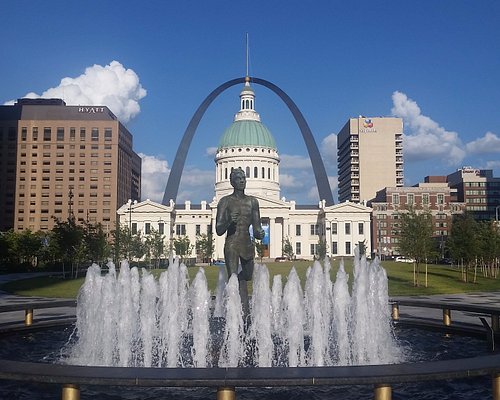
x: 130, y: 203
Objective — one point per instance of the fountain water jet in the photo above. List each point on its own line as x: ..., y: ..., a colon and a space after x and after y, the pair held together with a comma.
x: 132, y: 320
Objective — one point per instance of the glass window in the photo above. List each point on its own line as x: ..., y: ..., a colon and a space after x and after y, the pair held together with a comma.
x: 298, y: 230
x: 298, y: 248
x: 47, y: 133
x: 314, y: 249
x: 335, y: 249
x: 161, y: 228
x: 361, y: 228
x: 95, y: 134
x: 347, y: 228
x: 334, y: 228
x: 180, y: 230
x: 60, y: 134
x: 147, y: 228
x: 108, y: 134
x: 314, y: 229
x: 347, y: 248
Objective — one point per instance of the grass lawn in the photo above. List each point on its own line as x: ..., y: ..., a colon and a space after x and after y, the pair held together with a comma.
x: 440, y: 278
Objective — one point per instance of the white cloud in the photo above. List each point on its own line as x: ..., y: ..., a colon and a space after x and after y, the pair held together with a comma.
x: 494, y: 164
x: 210, y: 151
x: 111, y: 85
x: 288, y: 181
x: 329, y: 149
x: 489, y: 143
x: 313, y: 194
x: 426, y: 139
x: 154, y: 177
x: 196, y: 185
x: 294, y: 162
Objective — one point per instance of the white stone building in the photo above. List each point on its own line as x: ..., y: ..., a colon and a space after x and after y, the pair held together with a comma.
x: 248, y: 144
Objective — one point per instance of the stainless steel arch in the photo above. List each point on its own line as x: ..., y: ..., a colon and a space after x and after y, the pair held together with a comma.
x: 325, y: 192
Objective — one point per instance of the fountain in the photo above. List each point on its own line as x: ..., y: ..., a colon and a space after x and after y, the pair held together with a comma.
x: 131, y: 320
x: 171, y: 336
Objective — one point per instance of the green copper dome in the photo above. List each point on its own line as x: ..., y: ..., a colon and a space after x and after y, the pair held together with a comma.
x: 247, y: 133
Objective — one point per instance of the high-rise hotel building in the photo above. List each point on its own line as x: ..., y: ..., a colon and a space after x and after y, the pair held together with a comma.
x: 370, y: 157
x: 59, y: 161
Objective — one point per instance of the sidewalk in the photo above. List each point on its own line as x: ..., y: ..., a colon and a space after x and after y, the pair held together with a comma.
x: 11, y: 317
x: 475, y: 298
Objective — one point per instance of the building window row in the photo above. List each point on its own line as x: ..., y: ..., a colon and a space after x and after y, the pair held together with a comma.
x: 60, y: 134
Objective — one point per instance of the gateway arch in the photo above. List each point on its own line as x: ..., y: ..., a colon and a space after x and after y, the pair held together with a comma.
x: 325, y: 192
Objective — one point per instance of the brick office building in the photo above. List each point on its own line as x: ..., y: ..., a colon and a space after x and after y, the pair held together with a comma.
x: 57, y: 159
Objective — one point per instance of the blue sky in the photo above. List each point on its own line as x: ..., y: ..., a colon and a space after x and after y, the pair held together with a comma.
x: 436, y: 64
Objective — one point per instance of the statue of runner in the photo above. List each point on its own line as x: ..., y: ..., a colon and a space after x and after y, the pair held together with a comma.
x: 235, y: 213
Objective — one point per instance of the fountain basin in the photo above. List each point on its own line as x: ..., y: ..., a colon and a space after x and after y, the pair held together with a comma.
x: 318, y: 380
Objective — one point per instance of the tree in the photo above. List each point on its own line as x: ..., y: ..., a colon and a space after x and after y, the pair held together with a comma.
x: 489, y: 247
x: 68, y: 239
x: 205, y: 246
x: 288, y: 248
x: 415, y: 238
x: 182, y: 246
x: 154, y: 246
x: 126, y: 246
x: 464, y: 242
x: 96, y: 244
x: 322, y: 248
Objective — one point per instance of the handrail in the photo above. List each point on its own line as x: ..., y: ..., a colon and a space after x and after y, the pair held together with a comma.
x: 480, y: 309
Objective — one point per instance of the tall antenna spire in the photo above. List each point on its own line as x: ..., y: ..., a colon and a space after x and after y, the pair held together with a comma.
x: 247, y: 56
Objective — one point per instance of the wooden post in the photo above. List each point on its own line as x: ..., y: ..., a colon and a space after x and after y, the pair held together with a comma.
x: 395, y: 311
x: 70, y: 392
x: 226, y: 393
x: 383, y: 392
x: 446, y: 316
x: 496, y: 386
x: 28, y: 317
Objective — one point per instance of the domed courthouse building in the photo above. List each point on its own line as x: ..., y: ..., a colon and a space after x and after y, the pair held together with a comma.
x: 249, y: 145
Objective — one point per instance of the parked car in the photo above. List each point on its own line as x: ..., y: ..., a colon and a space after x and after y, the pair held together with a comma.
x: 219, y: 262
x: 404, y: 259
x: 280, y: 259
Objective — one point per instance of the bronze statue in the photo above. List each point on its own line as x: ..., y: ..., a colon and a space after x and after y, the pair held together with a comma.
x: 235, y: 213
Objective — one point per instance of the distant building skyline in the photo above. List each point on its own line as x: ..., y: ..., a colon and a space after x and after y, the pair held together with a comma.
x: 370, y: 157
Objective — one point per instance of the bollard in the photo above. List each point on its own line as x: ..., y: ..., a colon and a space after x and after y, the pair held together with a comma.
x: 395, y: 311
x: 70, y: 392
x: 383, y: 392
x: 226, y: 393
x: 496, y: 386
x: 446, y: 316
x: 28, y: 317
